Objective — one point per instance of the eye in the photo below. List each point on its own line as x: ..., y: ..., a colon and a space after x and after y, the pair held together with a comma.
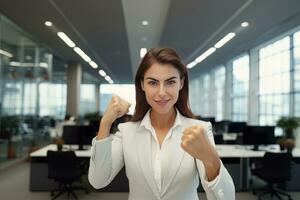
x: 171, y: 82
x: 153, y: 83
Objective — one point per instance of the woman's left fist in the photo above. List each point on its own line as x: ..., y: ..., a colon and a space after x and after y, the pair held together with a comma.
x: 196, y: 142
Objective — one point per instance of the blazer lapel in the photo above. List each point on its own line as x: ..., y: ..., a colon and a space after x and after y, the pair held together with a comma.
x: 174, y: 161
x: 143, y: 150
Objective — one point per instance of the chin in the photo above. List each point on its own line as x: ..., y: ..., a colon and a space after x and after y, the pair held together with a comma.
x: 162, y: 110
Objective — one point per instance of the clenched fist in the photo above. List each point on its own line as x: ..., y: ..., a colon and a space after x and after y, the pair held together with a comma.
x: 116, y: 108
x: 196, y: 143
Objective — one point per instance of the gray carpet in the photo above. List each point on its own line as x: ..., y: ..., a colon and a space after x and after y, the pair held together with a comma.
x: 14, y: 185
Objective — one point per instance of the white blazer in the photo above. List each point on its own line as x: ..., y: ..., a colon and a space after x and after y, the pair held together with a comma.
x: 131, y: 146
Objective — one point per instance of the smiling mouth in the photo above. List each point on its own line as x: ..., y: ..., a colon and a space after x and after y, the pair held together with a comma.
x: 162, y: 103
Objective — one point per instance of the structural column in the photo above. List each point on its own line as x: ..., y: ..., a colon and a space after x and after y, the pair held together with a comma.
x: 74, y: 74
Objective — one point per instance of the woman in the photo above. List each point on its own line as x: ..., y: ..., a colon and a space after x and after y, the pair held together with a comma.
x: 165, y: 150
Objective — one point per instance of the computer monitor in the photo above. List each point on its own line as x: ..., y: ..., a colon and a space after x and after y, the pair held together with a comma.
x: 78, y: 134
x: 259, y: 135
x: 236, y: 127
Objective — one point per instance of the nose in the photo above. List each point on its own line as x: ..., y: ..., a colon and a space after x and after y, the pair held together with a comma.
x: 162, y: 90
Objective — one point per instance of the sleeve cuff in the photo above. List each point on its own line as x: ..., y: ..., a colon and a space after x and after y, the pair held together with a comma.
x: 212, y: 183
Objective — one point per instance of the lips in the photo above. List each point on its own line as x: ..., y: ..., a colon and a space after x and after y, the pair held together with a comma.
x: 162, y: 102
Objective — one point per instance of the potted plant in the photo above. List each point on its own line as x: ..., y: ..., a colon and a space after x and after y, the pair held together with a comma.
x: 9, y: 129
x: 288, y: 124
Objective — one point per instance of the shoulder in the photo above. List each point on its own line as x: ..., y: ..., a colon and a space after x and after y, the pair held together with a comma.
x: 128, y: 126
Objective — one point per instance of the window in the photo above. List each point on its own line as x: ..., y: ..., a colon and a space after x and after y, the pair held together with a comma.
x: 219, y: 86
x: 274, y: 81
x: 30, y: 98
x: 87, y: 99
x: 204, y: 99
x: 296, y: 58
x: 240, y: 88
x: 53, y: 99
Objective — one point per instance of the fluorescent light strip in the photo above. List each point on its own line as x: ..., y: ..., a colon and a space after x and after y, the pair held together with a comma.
x: 66, y: 39
x: 205, y: 54
x: 143, y: 51
x: 93, y: 64
x: 102, y: 73
x: 82, y: 54
x: 225, y: 39
x: 19, y: 64
x: 192, y: 64
x: 6, y: 53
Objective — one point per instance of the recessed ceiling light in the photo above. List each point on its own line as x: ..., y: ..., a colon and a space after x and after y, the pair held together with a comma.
x: 48, y: 23
x: 244, y: 24
x: 145, y: 23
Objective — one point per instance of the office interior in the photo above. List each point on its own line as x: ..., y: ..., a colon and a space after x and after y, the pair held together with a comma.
x: 61, y: 58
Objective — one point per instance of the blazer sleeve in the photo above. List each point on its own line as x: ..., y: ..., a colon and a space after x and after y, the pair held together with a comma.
x: 106, y: 159
x: 222, y: 187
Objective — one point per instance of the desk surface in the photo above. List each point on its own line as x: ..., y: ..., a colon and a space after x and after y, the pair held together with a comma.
x: 79, y: 153
x: 224, y: 151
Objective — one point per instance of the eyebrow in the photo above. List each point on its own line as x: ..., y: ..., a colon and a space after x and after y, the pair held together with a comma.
x: 173, y: 77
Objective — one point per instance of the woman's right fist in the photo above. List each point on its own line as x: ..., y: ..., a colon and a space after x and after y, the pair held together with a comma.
x: 116, y: 108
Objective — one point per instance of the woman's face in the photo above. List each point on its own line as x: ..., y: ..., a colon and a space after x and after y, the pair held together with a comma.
x: 161, y: 85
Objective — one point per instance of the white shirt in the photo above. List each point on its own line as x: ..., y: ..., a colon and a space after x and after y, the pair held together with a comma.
x: 163, y: 174
x: 159, y: 152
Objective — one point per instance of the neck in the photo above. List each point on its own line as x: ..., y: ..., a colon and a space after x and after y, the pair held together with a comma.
x: 163, y: 121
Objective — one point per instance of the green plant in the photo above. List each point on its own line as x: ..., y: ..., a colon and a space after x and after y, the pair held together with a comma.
x: 92, y: 116
x: 288, y: 124
x: 9, y: 126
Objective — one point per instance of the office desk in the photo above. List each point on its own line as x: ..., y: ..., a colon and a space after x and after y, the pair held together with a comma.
x: 236, y: 159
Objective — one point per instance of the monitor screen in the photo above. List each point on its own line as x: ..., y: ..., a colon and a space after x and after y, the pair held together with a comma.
x: 236, y: 127
x: 259, y: 135
x: 78, y: 134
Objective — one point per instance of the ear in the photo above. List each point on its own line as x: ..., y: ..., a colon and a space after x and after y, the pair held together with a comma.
x: 181, y: 83
x: 142, y: 85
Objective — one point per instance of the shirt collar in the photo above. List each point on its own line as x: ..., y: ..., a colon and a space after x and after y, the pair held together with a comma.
x: 146, y: 122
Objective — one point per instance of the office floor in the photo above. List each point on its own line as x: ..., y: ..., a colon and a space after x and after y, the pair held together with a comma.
x: 14, y: 185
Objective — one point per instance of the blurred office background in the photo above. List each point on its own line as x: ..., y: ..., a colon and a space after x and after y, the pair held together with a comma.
x: 70, y: 57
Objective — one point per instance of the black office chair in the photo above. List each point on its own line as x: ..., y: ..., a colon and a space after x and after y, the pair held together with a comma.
x: 274, y: 168
x: 65, y: 168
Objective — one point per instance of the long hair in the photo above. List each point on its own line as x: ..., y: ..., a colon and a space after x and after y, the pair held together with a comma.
x: 162, y: 56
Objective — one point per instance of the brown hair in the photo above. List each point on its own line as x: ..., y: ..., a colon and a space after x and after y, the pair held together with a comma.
x: 163, y: 56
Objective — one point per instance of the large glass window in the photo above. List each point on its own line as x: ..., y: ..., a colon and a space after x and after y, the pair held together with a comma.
x: 53, y: 99
x: 204, y: 91
x: 297, y: 74
x: 274, y: 81
x: 240, y: 88
x: 87, y: 98
x: 219, y: 86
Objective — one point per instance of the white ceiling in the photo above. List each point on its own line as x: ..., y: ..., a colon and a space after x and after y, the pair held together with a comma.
x: 110, y: 32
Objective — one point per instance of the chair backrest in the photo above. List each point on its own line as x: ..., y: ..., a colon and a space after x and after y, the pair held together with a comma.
x: 278, y: 164
x: 62, y: 164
